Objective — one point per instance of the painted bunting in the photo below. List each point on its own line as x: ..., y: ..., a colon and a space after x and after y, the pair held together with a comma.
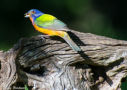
x: 50, y: 25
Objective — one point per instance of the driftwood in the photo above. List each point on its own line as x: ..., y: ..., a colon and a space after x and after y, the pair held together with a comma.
x: 51, y: 64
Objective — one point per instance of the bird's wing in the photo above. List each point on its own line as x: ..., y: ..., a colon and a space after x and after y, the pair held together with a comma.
x: 53, y: 24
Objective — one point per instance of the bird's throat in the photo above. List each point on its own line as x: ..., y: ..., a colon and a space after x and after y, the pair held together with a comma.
x: 31, y: 20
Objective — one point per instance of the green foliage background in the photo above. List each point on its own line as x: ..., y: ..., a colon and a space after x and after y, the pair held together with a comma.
x: 101, y: 17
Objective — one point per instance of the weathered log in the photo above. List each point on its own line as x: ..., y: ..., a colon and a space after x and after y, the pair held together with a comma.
x: 51, y: 64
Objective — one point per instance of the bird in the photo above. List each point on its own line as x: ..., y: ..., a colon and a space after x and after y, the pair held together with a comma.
x: 50, y: 25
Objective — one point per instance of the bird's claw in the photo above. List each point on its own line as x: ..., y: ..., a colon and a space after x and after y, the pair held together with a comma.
x: 43, y: 37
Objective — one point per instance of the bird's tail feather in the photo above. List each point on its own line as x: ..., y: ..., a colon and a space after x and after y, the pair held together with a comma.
x: 71, y: 43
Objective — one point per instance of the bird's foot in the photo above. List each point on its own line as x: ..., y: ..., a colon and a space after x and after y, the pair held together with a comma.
x: 44, y: 36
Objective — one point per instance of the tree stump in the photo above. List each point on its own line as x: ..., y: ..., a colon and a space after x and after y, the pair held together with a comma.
x: 51, y: 64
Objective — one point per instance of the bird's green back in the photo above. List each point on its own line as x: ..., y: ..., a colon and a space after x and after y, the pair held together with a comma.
x: 49, y: 22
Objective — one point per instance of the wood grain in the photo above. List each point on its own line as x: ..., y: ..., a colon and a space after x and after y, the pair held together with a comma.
x: 51, y: 64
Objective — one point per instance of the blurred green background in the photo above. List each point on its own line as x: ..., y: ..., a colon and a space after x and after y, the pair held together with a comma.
x: 101, y: 17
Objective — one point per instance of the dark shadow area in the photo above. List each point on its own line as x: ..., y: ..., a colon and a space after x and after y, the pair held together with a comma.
x: 124, y: 79
x: 39, y: 72
x: 75, y: 38
x: 98, y: 72
x: 109, y: 81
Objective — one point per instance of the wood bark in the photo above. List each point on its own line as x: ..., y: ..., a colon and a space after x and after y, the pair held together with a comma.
x: 51, y: 64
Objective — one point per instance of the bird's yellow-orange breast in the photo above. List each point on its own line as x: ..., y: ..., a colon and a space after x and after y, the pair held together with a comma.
x: 49, y: 32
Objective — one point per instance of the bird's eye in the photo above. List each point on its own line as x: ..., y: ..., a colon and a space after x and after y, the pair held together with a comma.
x: 33, y: 12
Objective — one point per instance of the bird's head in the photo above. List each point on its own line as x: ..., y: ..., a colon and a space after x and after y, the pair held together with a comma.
x: 33, y: 13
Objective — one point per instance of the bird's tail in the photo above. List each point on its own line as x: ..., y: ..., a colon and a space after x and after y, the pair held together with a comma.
x: 71, y: 43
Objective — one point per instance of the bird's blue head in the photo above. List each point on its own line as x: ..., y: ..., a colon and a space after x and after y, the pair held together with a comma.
x: 33, y: 13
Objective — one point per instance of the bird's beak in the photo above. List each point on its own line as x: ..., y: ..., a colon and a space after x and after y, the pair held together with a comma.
x: 27, y: 15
